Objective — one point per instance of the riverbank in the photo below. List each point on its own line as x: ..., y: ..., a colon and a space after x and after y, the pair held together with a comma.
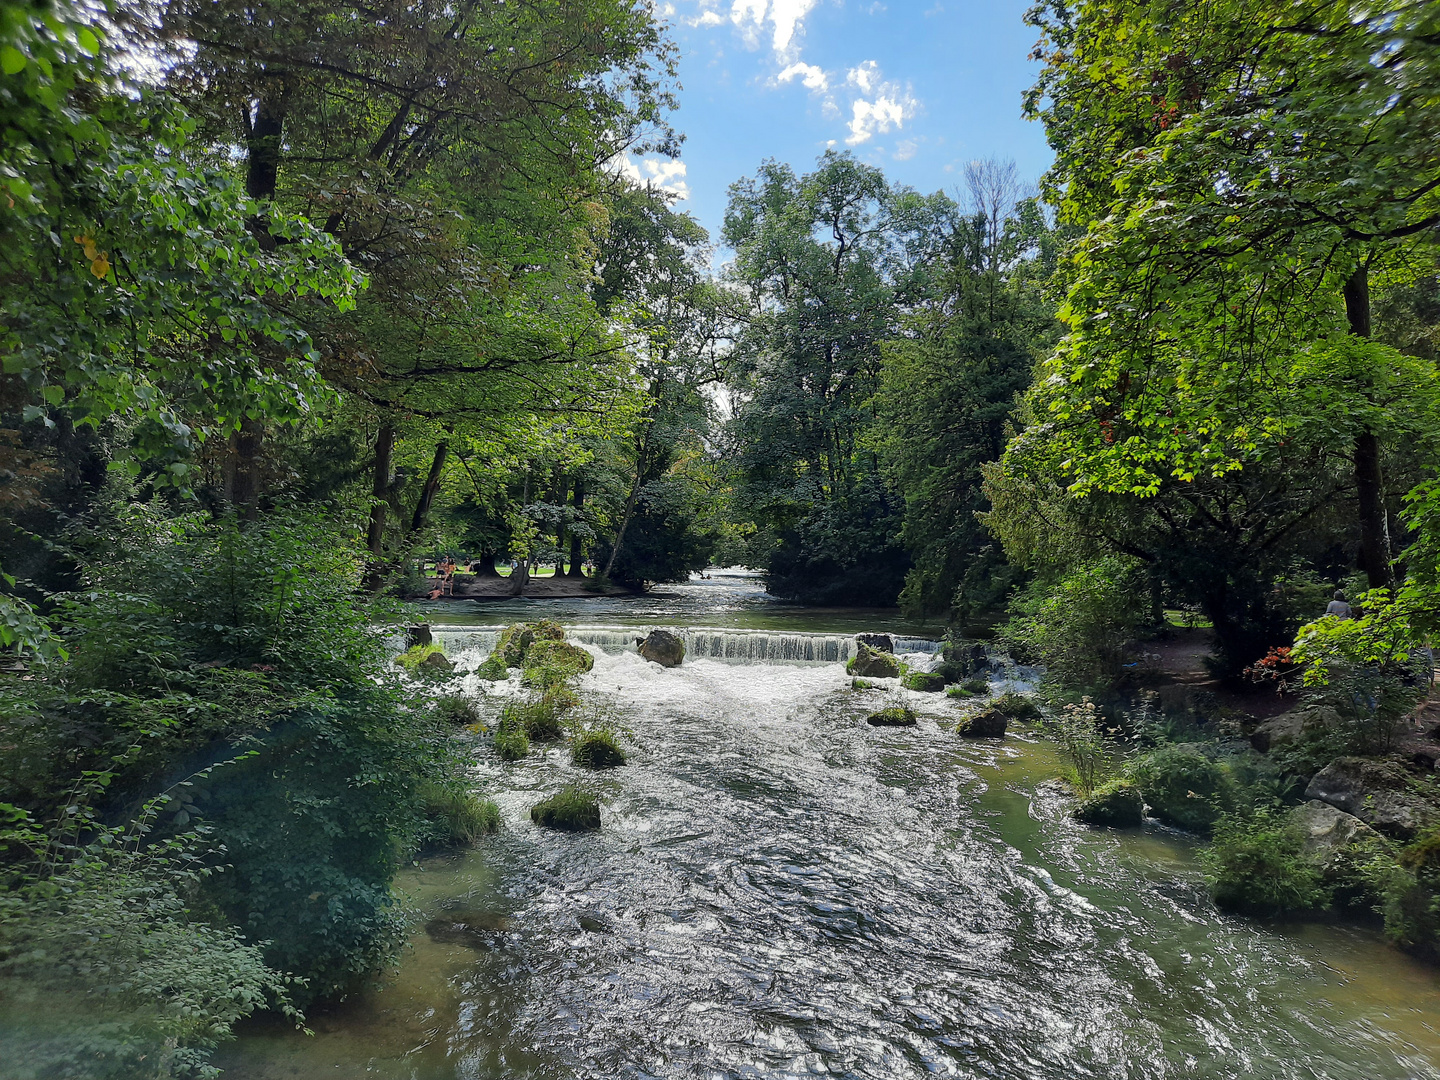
x: 469, y: 587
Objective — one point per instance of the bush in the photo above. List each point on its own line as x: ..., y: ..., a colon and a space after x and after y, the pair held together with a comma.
x: 494, y: 668
x: 570, y: 810
x: 1183, y: 787
x: 457, y: 709
x: 511, y: 745
x: 1080, y: 732
x: 458, y: 816
x: 1081, y: 626
x: 1257, y: 863
x: 1116, y: 803
x: 1409, y: 888
x: 598, y: 748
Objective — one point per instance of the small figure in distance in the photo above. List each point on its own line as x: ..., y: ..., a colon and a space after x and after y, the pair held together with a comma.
x: 446, y: 571
x: 1339, y: 607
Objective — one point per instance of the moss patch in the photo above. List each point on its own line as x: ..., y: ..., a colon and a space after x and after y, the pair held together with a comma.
x: 895, y: 716
x: 570, y: 810
x: 1116, y: 803
x: 493, y: 669
x: 515, y: 641
x: 924, y: 681
x: 414, y: 659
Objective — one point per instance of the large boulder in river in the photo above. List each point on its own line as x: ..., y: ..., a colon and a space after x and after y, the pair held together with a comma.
x: 1291, y: 727
x: 965, y: 657
x: 515, y: 641
x: 1116, y: 803
x: 437, y: 663
x: 1329, y: 834
x: 871, y: 663
x: 987, y: 724
x: 663, y: 648
x: 1379, y: 793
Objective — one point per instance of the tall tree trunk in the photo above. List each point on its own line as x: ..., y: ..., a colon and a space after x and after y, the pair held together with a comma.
x: 432, y: 485
x: 1374, y: 554
x: 577, y: 500
x: 624, y: 522
x: 562, y: 494
x: 242, y: 467
x: 264, y: 134
x: 379, y: 493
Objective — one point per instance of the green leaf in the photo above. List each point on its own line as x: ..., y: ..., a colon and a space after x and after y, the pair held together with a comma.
x: 88, y: 41
x: 12, y: 60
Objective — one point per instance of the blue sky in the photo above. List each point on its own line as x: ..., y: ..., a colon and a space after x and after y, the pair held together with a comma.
x: 917, y: 87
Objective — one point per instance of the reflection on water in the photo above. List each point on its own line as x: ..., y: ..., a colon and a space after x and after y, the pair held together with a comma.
x: 781, y: 891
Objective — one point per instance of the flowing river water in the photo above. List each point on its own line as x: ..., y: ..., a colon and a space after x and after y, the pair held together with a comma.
x: 781, y: 891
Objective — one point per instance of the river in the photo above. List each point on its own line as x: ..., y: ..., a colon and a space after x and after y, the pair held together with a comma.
x: 781, y: 891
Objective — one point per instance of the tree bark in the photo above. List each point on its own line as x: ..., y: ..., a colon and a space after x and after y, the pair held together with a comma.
x: 577, y: 500
x: 263, y: 137
x: 624, y: 522
x: 1374, y: 555
x: 242, y: 467
x: 432, y: 485
x: 562, y: 495
x: 379, y: 493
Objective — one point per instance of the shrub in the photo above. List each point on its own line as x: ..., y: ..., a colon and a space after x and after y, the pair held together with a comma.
x: 458, y: 816
x: 1257, y: 863
x: 511, y: 745
x: 597, y: 748
x: 1183, y: 787
x: 1080, y: 732
x: 1409, y: 888
x: 538, y: 718
x: 457, y: 709
x: 494, y: 668
x: 570, y: 810
x: 1116, y: 803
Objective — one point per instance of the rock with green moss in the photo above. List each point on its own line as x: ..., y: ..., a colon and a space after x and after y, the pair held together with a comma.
x: 925, y: 681
x: 538, y: 718
x: 512, y: 744
x: 958, y: 693
x: 976, y: 686
x: 515, y: 641
x: 598, y: 748
x: 1116, y: 803
x: 871, y: 663
x: 551, y: 664
x: 1183, y: 786
x: 861, y: 684
x: 424, y: 660
x: 570, y: 810
x: 986, y: 724
x: 494, y: 669
x: 894, y: 716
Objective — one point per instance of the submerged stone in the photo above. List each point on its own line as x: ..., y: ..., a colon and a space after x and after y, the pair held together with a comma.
x: 473, y: 929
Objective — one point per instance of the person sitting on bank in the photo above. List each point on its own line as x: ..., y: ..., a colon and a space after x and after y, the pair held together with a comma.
x: 1339, y: 607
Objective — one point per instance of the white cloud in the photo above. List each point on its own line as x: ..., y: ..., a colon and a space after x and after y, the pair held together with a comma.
x: 788, y: 16
x: 786, y: 19
x: 812, y: 76
x: 708, y: 18
x: 880, y: 106
x: 661, y: 173
x: 905, y: 149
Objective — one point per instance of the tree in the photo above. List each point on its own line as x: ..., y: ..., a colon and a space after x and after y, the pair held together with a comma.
x: 829, y: 260
x: 1245, y: 171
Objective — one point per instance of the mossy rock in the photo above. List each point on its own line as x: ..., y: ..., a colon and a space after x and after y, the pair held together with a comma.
x: 1016, y: 706
x: 958, y: 693
x: 550, y: 664
x: 597, y: 749
x: 873, y: 664
x: 1116, y: 803
x: 570, y: 810
x: 1183, y: 787
x: 538, y: 718
x: 512, y: 744
x: 986, y: 724
x: 895, y: 716
x: 494, y: 669
x: 424, y: 660
x: 515, y: 641
x: 976, y: 686
x: 927, y: 682
x: 861, y: 684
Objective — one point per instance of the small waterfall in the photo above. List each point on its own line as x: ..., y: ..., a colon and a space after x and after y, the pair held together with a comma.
x: 758, y: 646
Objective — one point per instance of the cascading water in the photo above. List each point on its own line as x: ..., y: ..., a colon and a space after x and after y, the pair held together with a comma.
x: 780, y: 890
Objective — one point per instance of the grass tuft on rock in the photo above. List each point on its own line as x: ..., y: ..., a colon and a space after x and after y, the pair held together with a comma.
x: 457, y: 709
x: 861, y: 684
x: 894, y: 716
x: 512, y: 744
x: 597, y: 748
x: 1116, y: 803
x: 494, y: 669
x: 570, y: 810
x: 928, y: 682
x: 413, y: 658
x: 538, y: 718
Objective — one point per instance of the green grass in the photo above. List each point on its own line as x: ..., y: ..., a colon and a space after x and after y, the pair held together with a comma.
x: 493, y: 669
x: 570, y: 810
x: 512, y: 745
x: 413, y: 657
x: 598, y: 748
x: 457, y: 709
x: 459, y: 817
